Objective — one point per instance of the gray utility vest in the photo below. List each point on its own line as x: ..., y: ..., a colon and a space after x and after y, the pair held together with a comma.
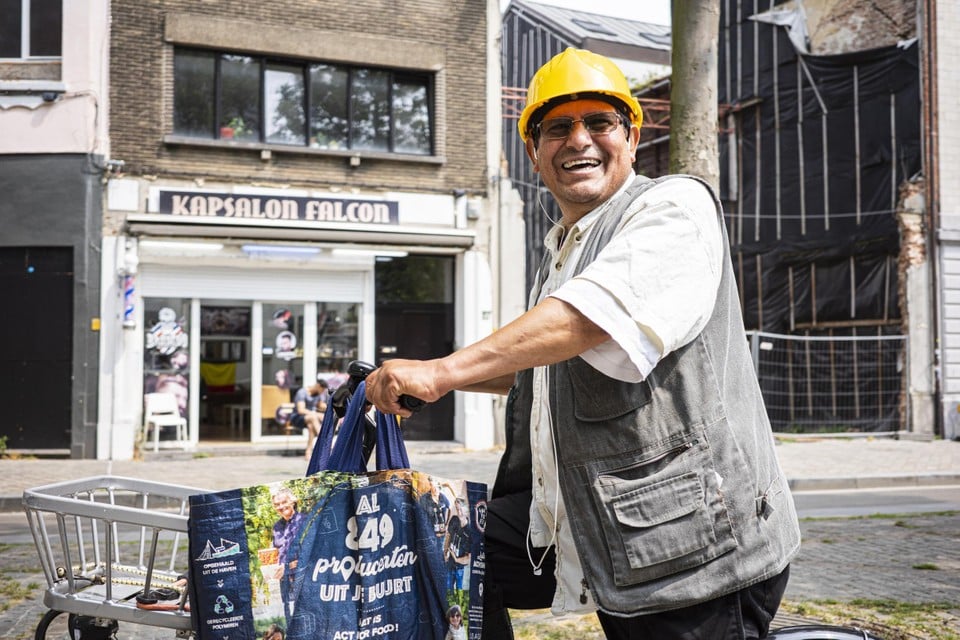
x: 672, y: 485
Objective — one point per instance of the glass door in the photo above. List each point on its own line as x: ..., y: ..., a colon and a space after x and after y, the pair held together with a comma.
x: 224, y: 370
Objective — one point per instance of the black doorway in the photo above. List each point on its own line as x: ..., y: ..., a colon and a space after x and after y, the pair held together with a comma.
x: 415, y: 319
x: 36, y: 285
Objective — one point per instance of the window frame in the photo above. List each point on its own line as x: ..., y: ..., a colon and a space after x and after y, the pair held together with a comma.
x: 395, y: 76
x: 25, y: 39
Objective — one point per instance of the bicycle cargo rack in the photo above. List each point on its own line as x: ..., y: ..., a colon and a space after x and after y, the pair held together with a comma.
x: 105, y: 540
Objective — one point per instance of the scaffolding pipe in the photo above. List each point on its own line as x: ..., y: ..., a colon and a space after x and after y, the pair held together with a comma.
x: 856, y: 135
x: 826, y: 171
x: 803, y: 173
x: 893, y: 151
x: 776, y: 131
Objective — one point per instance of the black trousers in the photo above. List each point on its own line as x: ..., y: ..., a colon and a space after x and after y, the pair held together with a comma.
x: 511, y: 584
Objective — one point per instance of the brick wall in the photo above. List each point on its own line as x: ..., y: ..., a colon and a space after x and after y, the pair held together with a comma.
x: 141, y: 92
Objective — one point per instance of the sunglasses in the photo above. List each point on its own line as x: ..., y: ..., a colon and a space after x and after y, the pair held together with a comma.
x: 597, y: 124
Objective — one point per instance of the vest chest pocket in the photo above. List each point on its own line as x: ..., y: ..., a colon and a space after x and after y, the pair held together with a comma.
x: 663, y: 524
x: 598, y: 398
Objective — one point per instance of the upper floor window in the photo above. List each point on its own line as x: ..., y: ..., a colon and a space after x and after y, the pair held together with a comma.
x: 30, y: 28
x: 319, y: 105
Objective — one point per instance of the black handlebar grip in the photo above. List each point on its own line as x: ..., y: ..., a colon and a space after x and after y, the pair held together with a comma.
x: 410, y: 403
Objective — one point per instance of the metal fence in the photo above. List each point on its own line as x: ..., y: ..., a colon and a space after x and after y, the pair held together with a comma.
x: 832, y: 384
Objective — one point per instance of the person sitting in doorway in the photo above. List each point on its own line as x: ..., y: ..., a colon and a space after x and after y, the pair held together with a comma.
x: 310, y: 403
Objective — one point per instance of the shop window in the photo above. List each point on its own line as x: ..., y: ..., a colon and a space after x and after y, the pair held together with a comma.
x: 166, y: 352
x: 37, y: 36
x: 323, y: 106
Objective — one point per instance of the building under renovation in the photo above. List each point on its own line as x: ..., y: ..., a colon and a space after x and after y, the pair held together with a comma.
x: 820, y: 132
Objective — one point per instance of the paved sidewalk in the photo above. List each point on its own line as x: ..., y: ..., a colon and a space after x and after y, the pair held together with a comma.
x: 809, y: 464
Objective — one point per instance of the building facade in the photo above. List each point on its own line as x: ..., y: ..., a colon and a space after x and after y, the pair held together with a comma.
x: 295, y: 186
x: 53, y: 155
x: 941, y: 18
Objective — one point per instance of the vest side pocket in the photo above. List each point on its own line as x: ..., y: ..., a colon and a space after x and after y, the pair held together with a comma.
x: 671, y: 520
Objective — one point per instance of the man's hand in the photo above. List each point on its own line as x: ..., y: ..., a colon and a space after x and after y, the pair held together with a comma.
x: 417, y: 378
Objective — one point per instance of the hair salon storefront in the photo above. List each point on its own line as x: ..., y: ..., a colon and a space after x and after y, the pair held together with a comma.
x: 232, y: 300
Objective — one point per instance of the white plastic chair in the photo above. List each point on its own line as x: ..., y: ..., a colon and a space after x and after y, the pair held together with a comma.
x: 161, y: 410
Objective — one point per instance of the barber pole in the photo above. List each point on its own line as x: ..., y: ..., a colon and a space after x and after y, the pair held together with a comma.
x: 128, y: 289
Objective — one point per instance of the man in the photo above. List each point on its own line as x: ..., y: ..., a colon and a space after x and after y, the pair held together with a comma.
x: 309, y: 405
x: 636, y: 432
x: 285, y: 532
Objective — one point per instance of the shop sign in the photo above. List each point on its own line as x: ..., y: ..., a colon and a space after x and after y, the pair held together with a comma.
x: 272, y: 207
x: 166, y: 336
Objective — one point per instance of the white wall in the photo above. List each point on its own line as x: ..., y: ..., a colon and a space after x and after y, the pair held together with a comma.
x: 76, y: 122
x: 948, y: 134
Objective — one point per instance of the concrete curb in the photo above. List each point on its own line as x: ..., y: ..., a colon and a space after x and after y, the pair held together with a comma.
x: 888, y: 481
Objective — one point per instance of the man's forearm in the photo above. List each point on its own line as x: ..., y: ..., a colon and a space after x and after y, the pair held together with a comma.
x: 550, y: 332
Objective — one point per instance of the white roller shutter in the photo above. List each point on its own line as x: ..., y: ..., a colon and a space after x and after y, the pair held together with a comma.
x: 170, y: 281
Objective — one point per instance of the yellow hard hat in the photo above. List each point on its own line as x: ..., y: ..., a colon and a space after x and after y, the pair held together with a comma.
x: 574, y: 72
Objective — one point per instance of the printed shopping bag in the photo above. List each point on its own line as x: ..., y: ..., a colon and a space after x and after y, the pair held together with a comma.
x: 388, y: 560
x: 388, y: 555
x: 342, y: 553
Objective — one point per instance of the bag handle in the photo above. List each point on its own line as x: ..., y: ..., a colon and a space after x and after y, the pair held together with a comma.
x: 391, y: 450
x: 347, y: 453
x: 320, y: 456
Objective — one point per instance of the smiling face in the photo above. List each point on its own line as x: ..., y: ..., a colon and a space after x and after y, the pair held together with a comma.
x: 583, y: 170
x: 285, y: 505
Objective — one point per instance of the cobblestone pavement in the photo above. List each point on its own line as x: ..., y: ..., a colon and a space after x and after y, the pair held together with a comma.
x: 841, y: 559
x: 879, y: 559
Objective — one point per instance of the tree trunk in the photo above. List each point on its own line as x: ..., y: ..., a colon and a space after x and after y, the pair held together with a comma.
x: 693, y: 89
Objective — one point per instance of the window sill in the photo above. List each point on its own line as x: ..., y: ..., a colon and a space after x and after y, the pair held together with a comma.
x: 29, y: 93
x: 31, y: 86
x: 186, y: 141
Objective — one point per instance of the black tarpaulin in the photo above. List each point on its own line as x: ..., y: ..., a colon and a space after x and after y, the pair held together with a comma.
x: 820, y: 157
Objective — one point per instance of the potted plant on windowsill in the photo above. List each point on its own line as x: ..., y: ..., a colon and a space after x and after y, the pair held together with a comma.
x: 235, y: 128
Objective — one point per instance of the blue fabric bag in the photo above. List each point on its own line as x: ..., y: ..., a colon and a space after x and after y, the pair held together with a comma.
x: 343, y: 553
x: 375, y: 560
